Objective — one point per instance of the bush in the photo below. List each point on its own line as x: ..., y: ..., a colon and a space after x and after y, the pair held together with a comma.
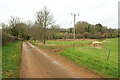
x: 6, y: 38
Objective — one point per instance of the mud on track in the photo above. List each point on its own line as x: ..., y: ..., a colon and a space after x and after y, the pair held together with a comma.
x: 35, y: 63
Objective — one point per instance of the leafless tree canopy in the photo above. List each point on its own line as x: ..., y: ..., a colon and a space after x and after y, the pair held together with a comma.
x: 44, y: 19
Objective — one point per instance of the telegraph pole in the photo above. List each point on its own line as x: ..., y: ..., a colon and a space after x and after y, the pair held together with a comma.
x: 74, y: 29
x: 74, y: 26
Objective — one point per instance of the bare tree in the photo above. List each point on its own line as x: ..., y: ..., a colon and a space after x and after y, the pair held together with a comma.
x: 44, y: 19
x: 14, y: 21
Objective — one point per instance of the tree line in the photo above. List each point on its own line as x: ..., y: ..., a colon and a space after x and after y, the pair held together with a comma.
x: 44, y: 27
x: 86, y: 30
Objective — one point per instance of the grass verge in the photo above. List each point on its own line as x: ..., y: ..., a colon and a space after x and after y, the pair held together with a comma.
x: 11, y: 54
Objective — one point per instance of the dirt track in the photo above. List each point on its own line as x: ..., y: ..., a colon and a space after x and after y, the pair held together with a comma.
x: 37, y: 63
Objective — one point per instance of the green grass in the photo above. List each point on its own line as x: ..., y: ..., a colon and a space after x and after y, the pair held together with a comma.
x: 64, y: 43
x: 59, y: 43
x: 42, y: 46
x: 96, y: 59
x: 11, y: 54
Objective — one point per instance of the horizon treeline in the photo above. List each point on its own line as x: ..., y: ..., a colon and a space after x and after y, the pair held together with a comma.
x: 44, y: 28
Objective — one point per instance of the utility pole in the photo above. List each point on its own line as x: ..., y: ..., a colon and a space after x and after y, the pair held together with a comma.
x: 74, y: 29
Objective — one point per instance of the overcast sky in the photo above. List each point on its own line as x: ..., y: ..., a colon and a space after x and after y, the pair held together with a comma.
x: 92, y: 11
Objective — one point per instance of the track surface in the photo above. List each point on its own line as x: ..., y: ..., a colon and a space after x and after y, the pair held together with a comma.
x: 36, y: 63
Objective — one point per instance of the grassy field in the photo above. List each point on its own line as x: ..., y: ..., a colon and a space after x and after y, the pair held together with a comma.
x: 64, y: 43
x: 11, y: 54
x: 90, y: 58
x: 96, y: 59
x: 60, y: 43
